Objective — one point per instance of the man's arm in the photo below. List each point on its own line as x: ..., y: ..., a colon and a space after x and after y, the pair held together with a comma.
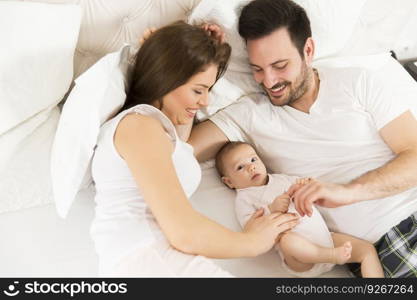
x: 400, y: 173
x: 392, y: 178
x: 207, y: 139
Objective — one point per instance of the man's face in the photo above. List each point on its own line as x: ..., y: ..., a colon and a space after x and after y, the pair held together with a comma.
x: 278, y: 67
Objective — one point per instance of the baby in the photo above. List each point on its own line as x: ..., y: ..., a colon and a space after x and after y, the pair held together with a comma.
x: 309, y: 249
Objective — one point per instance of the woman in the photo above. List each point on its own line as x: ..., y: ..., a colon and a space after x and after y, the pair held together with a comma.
x: 144, y: 173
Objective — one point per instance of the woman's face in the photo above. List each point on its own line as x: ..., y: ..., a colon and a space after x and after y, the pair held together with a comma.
x: 181, y: 104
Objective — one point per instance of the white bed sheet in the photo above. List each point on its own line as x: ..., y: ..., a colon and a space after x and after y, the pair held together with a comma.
x: 38, y: 243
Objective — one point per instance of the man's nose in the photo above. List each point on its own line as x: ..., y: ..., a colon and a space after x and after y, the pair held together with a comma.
x: 270, y: 79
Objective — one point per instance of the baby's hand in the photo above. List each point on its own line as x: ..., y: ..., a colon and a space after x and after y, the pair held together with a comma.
x: 280, y: 203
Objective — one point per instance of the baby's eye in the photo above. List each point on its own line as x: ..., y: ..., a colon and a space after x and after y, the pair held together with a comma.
x: 239, y: 168
x: 254, y: 159
x: 197, y: 92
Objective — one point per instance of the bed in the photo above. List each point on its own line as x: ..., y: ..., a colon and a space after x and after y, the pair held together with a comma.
x: 36, y: 241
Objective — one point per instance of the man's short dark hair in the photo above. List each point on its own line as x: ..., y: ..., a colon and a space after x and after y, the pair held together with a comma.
x: 261, y: 17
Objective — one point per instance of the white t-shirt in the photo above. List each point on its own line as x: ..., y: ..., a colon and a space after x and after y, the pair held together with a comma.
x: 123, y: 221
x: 336, y: 142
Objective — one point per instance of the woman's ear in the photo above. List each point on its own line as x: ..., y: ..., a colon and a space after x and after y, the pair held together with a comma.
x: 309, y: 49
x: 226, y: 180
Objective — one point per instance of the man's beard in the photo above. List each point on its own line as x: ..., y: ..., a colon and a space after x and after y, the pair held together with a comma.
x: 294, y: 91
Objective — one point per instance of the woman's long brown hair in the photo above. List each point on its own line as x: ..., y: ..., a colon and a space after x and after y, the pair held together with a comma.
x: 169, y: 58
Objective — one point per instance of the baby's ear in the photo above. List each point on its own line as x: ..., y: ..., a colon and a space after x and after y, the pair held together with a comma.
x: 226, y: 180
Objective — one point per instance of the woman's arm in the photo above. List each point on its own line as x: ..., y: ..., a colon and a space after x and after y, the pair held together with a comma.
x: 144, y: 145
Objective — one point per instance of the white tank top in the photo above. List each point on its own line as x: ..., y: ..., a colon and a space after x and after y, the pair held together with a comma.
x: 123, y: 221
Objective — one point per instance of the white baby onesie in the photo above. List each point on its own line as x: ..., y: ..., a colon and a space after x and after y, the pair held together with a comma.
x: 313, y: 228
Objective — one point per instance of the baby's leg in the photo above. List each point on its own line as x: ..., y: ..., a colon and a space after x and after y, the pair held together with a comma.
x: 301, y: 254
x: 364, y: 253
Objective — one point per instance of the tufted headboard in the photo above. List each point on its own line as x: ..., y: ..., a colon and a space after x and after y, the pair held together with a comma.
x: 108, y: 24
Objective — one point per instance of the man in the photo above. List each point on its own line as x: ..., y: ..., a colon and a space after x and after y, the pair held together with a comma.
x: 353, y: 129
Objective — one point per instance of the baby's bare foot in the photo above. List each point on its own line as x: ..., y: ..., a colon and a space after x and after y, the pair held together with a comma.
x: 342, y: 254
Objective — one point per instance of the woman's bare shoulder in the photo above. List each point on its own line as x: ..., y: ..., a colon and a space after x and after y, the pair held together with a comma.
x: 135, y: 128
x: 135, y: 121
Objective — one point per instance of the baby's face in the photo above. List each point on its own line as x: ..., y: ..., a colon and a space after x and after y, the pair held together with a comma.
x: 243, y: 168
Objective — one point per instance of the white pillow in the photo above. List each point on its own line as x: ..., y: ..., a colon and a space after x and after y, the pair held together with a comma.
x: 371, y: 62
x: 225, y: 14
x: 332, y: 23
x: 385, y: 26
x: 97, y: 96
x: 25, y: 177
x: 36, y: 57
x: 222, y: 94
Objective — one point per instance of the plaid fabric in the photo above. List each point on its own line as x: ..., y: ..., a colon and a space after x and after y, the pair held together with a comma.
x: 397, y: 250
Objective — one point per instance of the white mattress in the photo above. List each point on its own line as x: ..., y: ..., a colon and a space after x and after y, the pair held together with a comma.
x: 37, y: 243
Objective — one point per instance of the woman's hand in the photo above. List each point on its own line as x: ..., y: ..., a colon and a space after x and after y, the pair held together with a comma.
x: 146, y: 34
x: 264, y: 230
x: 211, y: 29
x: 215, y: 31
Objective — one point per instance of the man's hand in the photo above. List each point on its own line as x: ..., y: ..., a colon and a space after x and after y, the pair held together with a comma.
x: 280, y: 203
x: 320, y: 193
